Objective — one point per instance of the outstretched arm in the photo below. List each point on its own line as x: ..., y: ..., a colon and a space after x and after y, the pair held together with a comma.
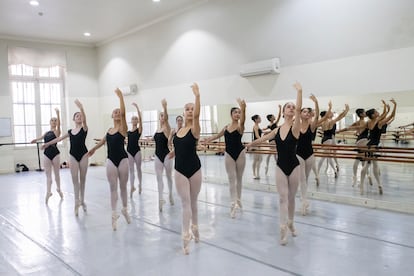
x: 167, y: 127
x: 97, y: 146
x: 139, y: 117
x: 54, y: 141
x: 268, y: 136
x: 341, y: 115
x: 389, y: 118
x: 57, y: 131
x: 215, y: 137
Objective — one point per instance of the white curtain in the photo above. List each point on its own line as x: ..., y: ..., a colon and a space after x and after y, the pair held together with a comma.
x: 36, y: 57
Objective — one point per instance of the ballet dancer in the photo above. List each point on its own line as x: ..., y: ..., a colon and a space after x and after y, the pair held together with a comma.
x: 134, y: 151
x: 257, y: 157
x: 273, y: 124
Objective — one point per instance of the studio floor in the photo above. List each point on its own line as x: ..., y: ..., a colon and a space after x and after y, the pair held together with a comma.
x: 334, y: 239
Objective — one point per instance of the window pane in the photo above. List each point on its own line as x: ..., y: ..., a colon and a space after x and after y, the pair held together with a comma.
x: 45, y: 114
x: 43, y: 72
x: 29, y: 92
x: 45, y: 128
x: 27, y: 70
x: 17, y: 89
x: 19, y: 134
x: 18, y: 114
x: 30, y: 114
x: 55, y: 93
x: 30, y: 133
x: 54, y: 72
x: 44, y: 93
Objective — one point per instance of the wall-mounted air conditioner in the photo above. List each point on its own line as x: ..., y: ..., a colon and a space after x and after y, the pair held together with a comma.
x: 131, y: 89
x: 263, y: 67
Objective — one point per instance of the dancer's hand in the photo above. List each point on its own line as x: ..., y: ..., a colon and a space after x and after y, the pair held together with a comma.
x: 195, y: 89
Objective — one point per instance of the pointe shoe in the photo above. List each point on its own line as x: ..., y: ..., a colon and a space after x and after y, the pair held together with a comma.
x: 60, y: 193
x: 48, y: 195
x: 124, y: 212
x: 77, y: 209
x: 233, y: 211
x: 317, y: 181
x: 305, y: 206
x: 132, y: 191
x: 380, y: 190
x: 171, y: 199
x: 239, y: 204
x: 354, y: 180
x: 283, y: 235
x: 139, y: 189
x: 292, y: 228
x: 186, y: 243
x: 266, y: 170
x: 196, y: 234
x: 160, y: 203
x: 370, y: 180
x: 84, y: 207
x: 115, y: 217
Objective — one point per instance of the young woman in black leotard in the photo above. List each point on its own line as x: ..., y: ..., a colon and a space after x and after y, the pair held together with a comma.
x: 162, y: 160
x: 287, y: 169
x: 77, y: 154
x: 188, y: 169
x: 117, y: 162
x: 329, y: 130
x: 273, y: 124
x: 305, y: 150
x: 362, y: 131
x: 257, y: 157
x: 134, y: 151
x: 51, y: 160
x: 235, y: 157
x: 375, y: 124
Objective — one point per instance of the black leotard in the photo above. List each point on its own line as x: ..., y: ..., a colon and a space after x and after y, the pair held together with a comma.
x: 186, y: 159
x: 254, y: 134
x: 116, y: 149
x: 161, y: 145
x: 77, y: 144
x: 305, y: 149
x: 363, y: 134
x: 329, y: 134
x: 286, y: 152
x: 374, y: 136
x: 233, y: 142
x: 52, y: 150
x: 133, y: 142
x: 272, y: 127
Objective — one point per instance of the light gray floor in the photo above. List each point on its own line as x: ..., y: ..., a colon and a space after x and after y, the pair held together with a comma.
x: 334, y: 239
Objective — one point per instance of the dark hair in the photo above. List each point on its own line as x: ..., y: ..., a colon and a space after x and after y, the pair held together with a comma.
x: 370, y: 112
x: 233, y: 109
x: 308, y: 108
x: 360, y: 111
x: 74, y: 114
x: 178, y: 117
x: 255, y: 117
x: 269, y: 117
x: 323, y: 113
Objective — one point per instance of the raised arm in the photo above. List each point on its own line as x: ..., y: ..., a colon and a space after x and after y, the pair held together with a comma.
x: 279, y: 114
x: 316, y: 111
x: 82, y: 111
x: 37, y: 139
x: 57, y: 131
x: 195, y: 129
x: 124, y: 127
x: 167, y: 127
x: 297, y: 122
x: 242, y: 105
x: 139, y: 117
x: 389, y: 118
x: 341, y: 115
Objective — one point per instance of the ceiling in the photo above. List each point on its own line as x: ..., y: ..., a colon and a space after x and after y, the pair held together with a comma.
x: 65, y: 21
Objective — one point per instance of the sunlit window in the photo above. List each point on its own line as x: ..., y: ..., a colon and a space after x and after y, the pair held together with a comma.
x: 149, y: 123
x: 36, y: 93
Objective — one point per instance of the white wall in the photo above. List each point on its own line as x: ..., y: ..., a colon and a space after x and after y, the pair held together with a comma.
x: 81, y: 83
x: 333, y: 48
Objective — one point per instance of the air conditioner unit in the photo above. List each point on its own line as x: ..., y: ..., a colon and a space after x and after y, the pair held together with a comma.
x: 129, y: 90
x: 263, y: 67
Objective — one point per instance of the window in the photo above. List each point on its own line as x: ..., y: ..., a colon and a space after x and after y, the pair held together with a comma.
x: 205, y: 119
x: 149, y: 123
x: 36, y: 92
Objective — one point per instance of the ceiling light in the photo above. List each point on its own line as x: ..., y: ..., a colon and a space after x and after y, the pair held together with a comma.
x: 87, y: 34
x: 155, y: 0
x: 34, y: 3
